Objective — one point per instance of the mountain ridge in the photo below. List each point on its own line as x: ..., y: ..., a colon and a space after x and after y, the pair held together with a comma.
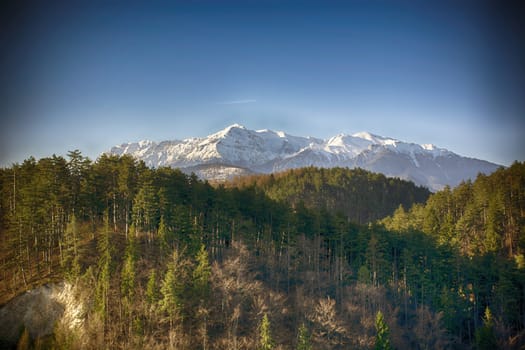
x: 236, y: 150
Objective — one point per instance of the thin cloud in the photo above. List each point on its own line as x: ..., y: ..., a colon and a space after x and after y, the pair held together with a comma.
x: 236, y: 102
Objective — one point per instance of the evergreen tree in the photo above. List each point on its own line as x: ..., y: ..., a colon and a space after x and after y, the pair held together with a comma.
x: 70, y: 262
x: 265, y: 337
x: 375, y: 256
x: 127, y: 285
x: 461, y: 249
x: 485, y: 337
x: 201, y: 288
x: 303, y: 338
x: 201, y: 274
x: 170, y: 302
x: 382, y: 336
x: 152, y: 297
x: 165, y: 238
x: 145, y: 206
x: 127, y: 281
x: 104, y: 271
x: 171, y: 288
x: 151, y: 288
x: 363, y: 275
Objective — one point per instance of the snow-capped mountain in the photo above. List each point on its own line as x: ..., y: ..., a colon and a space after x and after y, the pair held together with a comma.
x: 237, y: 151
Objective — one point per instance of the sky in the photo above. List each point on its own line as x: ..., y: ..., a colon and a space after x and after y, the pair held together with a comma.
x: 94, y: 74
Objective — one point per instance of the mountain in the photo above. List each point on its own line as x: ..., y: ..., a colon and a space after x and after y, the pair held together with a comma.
x: 237, y: 151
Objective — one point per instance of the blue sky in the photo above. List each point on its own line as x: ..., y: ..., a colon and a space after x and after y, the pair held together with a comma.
x: 95, y: 74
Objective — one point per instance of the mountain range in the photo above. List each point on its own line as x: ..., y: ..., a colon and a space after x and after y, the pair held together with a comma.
x: 236, y: 151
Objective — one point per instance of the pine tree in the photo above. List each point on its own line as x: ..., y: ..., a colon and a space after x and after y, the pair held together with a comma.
x: 151, y: 288
x: 265, y: 337
x: 145, y: 208
x: 127, y: 280
x: 375, y: 255
x: 201, y: 274
x: 170, y: 298
x: 303, y: 338
x: 104, y: 271
x: 485, y: 337
x: 127, y: 285
x: 164, y: 237
x: 363, y: 275
x: 171, y: 288
x: 382, y: 337
x: 152, y: 297
x: 70, y: 262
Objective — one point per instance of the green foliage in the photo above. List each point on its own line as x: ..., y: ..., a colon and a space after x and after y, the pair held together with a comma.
x: 485, y: 336
x: 375, y: 257
x: 480, y: 217
x: 201, y: 274
x: 145, y: 206
x: 172, y: 287
x: 165, y: 238
x: 382, y: 333
x: 70, y: 261
x: 170, y: 292
x: 63, y: 338
x: 127, y: 284
x: 151, y: 288
x: 104, y: 270
x: 303, y: 338
x: 360, y: 195
x: 363, y: 275
x: 459, y: 249
x: 520, y: 261
x: 265, y: 336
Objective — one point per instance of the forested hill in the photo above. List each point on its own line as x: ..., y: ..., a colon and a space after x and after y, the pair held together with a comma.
x: 162, y: 260
x: 360, y: 195
x: 486, y: 216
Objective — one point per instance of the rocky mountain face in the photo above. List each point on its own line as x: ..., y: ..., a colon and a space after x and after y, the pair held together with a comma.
x: 40, y: 311
x: 237, y: 151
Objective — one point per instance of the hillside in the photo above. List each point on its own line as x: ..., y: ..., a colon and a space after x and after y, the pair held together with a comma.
x: 359, y: 195
x: 486, y: 216
x: 160, y: 259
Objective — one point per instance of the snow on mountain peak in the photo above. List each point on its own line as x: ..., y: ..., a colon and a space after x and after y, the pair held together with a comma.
x: 228, y: 130
x: 281, y: 134
x: 347, y: 144
x: 376, y: 139
x: 269, y: 151
x: 145, y: 143
x: 236, y: 126
x: 366, y: 136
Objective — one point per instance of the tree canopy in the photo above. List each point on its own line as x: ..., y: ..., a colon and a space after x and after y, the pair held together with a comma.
x: 173, y: 261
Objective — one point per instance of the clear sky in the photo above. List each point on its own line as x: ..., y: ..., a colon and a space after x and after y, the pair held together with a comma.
x: 91, y: 75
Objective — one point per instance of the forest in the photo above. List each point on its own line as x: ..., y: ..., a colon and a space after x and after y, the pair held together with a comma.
x: 306, y: 259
